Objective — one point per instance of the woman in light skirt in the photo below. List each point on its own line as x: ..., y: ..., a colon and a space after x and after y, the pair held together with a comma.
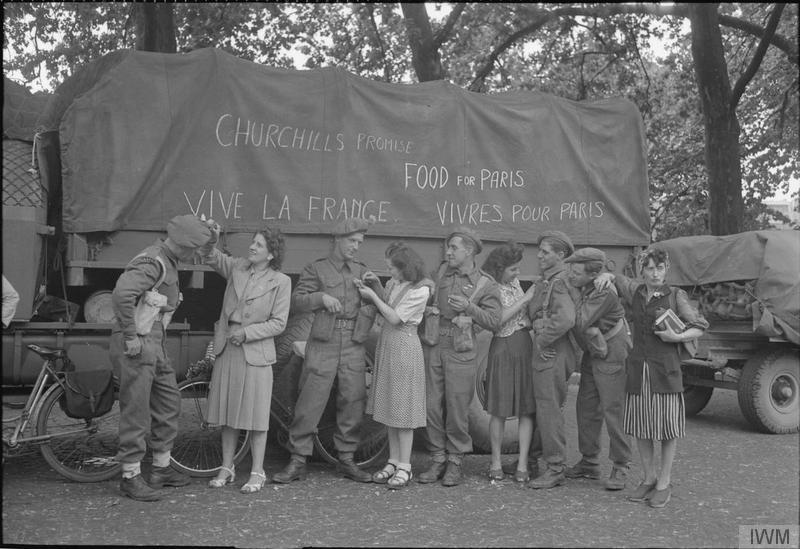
x: 255, y: 309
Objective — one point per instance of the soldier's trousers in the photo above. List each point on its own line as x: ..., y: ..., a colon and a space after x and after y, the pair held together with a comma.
x: 449, y: 388
x: 325, y: 361
x: 550, y: 391
x: 601, y: 397
x: 149, y: 401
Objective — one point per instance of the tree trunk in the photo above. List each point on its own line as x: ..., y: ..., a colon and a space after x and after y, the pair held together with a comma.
x: 425, y: 54
x: 723, y: 165
x: 155, y: 28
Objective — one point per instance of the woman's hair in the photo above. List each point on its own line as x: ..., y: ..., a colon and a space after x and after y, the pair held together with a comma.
x: 275, y: 243
x: 406, y: 260
x: 656, y: 254
x: 557, y: 245
x: 503, y: 257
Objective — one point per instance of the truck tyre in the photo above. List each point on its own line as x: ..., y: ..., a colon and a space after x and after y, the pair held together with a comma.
x: 297, y: 329
x: 479, y: 418
x: 768, y: 391
x: 695, y: 398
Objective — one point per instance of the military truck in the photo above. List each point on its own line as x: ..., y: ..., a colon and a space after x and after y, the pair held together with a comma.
x: 135, y: 138
x: 748, y: 287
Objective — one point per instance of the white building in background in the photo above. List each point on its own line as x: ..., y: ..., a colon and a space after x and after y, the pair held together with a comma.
x: 788, y: 206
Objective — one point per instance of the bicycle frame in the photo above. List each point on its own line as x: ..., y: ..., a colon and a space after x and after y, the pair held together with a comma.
x: 31, y: 406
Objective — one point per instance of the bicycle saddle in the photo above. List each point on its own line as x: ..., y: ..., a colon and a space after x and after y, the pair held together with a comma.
x: 47, y: 352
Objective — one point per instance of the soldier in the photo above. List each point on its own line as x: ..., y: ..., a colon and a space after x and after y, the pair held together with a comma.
x: 326, y: 288
x: 553, y: 313
x: 601, y: 332
x: 464, y: 293
x: 149, y: 400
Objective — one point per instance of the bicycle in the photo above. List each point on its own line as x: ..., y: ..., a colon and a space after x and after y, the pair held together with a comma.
x: 197, y: 450
x: 198, y: 447
x: 83, y: 450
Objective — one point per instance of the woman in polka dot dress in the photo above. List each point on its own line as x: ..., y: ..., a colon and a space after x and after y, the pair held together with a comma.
x: 397, y: 394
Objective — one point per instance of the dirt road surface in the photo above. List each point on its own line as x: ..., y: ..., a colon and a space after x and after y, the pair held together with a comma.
x: 725, y: 475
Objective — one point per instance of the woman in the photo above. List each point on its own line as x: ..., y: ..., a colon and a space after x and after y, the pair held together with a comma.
x: 654, y: 408
x: 509, y: 385
x: 254, y: 310
x: 397, y: 394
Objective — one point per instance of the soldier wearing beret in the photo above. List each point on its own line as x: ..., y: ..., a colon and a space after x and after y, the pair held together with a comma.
x: 149, y: 400
x: 552, y: 311
x: 464, y: 294
x: 326, y: 287
x: 602, y: 334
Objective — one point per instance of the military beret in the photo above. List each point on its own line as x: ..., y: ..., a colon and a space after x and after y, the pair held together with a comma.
x: 350, y: 226
x: 586, y: 254
x: 466, y: 232
x: 558, y: 236
x: 188, y: 230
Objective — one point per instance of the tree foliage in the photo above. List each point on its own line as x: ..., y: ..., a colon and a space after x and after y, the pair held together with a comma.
x: 577, y: 51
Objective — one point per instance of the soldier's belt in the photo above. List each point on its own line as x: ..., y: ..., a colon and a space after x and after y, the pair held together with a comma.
x: 344, y: 324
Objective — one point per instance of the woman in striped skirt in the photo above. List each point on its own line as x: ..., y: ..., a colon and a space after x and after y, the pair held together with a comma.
x: 654, y: 408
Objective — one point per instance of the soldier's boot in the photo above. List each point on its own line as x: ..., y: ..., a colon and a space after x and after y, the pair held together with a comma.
x: 434, y: 472
x: 294, y: 470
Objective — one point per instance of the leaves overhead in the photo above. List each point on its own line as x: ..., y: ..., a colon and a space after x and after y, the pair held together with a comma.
x: 577, y: 51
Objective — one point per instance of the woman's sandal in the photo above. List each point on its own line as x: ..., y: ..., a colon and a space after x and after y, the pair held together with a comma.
x: 400, y: 479
x: 227, y: 479
x: 382, y: 476
x: 253, y: 487
x: 496, y: 474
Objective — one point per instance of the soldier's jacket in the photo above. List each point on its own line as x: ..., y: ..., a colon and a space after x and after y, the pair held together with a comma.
x: 485, y: 308
x: 552, y: 308
x: 596, y: 308
x: 332, y: 277
x: 140, y: 275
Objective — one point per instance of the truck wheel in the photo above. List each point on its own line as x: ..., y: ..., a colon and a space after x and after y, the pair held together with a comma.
x: 768, y: 392
x: 479, y: 418
x: 695, y: 398
x: 297, y: 329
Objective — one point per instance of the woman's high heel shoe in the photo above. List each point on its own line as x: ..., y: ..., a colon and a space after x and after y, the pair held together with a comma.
x: 227, y: 479
x: 252, y: 487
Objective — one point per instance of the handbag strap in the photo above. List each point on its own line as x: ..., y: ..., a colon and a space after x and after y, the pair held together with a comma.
x: 163, y: 269
x: 399, y: 296
x: 439, y: 275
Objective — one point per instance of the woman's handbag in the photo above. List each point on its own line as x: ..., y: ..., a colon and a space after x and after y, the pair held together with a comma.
x: 150, y: 304
x: 429, y: 328
x: 364, y: 322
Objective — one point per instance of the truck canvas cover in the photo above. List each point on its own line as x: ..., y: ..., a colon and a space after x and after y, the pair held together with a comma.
x: 208, y: 133
x: 771, y: 258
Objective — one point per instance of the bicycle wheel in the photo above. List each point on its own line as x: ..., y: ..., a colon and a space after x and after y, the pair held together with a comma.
x: 83, y: 450
x: 373, y: 447
x: 198, y: 447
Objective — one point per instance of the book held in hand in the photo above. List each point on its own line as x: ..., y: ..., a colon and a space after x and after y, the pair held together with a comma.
x: 669, y: 318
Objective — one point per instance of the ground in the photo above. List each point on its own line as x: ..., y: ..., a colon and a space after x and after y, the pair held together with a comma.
x: 725, y: 475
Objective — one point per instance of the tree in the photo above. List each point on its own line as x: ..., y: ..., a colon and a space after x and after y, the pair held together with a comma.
x: 719, y: 100
x: 579, y: 51
x: 155, y: 27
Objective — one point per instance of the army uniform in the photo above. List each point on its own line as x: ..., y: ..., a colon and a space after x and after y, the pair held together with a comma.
x: 553, y: 313
x: 450, y: 375
x: 149, y: 400
x: 148, y: 388
x: 601, y: 393
x: 339, y: 357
